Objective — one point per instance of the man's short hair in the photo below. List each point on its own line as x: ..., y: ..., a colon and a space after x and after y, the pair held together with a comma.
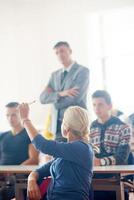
x: 12, y: 105
x: 102, y: 94
x: 61, y: 43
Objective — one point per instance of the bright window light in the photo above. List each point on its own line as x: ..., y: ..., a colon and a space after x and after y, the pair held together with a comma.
x: 111, y: 54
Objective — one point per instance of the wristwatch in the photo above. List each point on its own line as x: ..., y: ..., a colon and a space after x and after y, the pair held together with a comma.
x: 103, y: 162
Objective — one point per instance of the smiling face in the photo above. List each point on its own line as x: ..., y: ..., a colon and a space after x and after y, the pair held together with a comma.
x: 101, y: 107
x: 63, y: 53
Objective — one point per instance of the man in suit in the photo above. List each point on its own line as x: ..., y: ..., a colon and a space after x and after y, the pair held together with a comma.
x: 67, y: 86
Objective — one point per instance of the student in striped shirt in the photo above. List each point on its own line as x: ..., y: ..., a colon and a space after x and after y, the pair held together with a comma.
x: 111, y: 137
x: 108, y: 133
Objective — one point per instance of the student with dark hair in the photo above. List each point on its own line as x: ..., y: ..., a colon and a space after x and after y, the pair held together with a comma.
x: 61, y: 43
x: 12, y: 104
x: 15, y: 147
x: 67, y: 86
x: 109, y: 134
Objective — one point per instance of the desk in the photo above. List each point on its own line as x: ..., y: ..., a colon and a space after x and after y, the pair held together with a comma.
x: 17, y: 169
x: 26, y: 169
x: 116, y: 169
x: 114, y: 183
x: 120, y: 170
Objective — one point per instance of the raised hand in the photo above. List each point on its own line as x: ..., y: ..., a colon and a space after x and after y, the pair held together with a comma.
x: 24, y: 111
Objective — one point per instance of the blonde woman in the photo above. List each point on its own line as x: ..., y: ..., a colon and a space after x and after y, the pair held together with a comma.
x: 71, y: 170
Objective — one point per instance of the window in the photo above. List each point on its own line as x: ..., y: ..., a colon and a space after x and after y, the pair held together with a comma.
x: 111, y: 54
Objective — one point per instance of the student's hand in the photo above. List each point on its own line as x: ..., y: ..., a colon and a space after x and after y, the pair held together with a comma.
x: 33, y: 190
x: 97, y: 162
x: 24, y: 111
x: 70, y: 92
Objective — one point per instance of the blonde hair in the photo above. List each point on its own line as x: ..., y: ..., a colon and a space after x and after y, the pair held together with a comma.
x: 77, y: 120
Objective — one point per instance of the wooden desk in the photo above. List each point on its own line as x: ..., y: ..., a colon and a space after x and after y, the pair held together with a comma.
x: 113, y: 184
x: 26, y: 169
x: 116, y: 169
x: 17, y: 169
x: 120, y: 170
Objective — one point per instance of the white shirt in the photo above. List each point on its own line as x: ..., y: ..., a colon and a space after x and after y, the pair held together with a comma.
x: 69, y: 67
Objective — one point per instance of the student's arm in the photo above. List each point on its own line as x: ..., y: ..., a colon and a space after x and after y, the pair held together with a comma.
x: 33, y: 190
x: 67, y: 151
x: 44, y: 170
x: 33, y: 156
x: 82, y: 84
x: 122, y: 152
x: 53, y: 148
x: 34, y: 178
x: 1, y: 138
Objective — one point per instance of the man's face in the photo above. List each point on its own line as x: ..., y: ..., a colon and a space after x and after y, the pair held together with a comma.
x: 63, y: 53
x: 13, y: 117
x: 101, y: 107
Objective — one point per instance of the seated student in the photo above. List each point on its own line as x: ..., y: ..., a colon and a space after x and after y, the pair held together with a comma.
x: 71, y: 171
x: 108, y: 133
x: 15, y: 148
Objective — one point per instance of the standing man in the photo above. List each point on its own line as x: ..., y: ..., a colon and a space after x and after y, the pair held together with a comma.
x: 67, y: 86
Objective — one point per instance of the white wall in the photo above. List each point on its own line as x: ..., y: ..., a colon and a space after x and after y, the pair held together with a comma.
x: 28, y: 31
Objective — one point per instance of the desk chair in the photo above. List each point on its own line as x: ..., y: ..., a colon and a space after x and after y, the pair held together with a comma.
x: 20, y: 186
x: 128, y: 180
x: 109, y: 184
